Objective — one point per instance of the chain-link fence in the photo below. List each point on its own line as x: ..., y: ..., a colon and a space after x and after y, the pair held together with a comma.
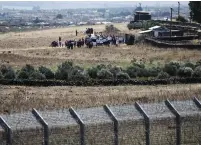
x: 164, y: 123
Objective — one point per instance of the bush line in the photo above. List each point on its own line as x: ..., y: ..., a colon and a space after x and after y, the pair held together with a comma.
x: 47, y: 83
x: 69, y: 74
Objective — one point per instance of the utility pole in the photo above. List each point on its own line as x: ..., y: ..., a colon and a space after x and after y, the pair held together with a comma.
x: 171, y: 23
x: 178, y: 9
x: 139, y: 12
x: 158, y: 14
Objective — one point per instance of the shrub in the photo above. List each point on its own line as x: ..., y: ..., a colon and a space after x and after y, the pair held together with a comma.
x: 139, y: 38
x: 37, y: 76
x: 163, y: 75
x: 63, y: 70
x: 66, y: 65
x: 138, y: 64
x: 136, y: 25
x: 22, y: 75
x: 101, y: 66
x: 154, y: 71
x: 115, y: 70
x: 104, y: 74
x: 143, y: 72
x: 10, y: 74
x: 1, y: 75
x: 92, y: 72
x: 122, y: 75
x: 111, y: 29
x: 171, y: 68
x: 185, y: 72
x: 181, y: 19
x: 132, y: 71
x: 197, y: 72
x: 189, y: 64
x: 47, y: 72
x: 77, y: 74
x: 61, y: 74
x: 4, y: 69
x: 175, y: 63
x: 150, y: 23
x: 130, y: 26
x: 137, y: 71
x: 28, y: 68
x: 198, y: 63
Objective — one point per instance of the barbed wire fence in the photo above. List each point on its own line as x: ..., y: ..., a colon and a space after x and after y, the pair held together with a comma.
x: 164, y: 123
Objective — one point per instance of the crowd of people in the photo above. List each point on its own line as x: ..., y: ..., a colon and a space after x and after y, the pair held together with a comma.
x: 91, y: 40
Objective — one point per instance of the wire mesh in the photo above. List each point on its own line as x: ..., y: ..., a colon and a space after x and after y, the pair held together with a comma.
x: 131, y: 129
x: 162, y: 124
x: 25, y: 129
x: 63, y: 129
x: 2, y: 136
x: 99, y: 127
x: 190, y: 122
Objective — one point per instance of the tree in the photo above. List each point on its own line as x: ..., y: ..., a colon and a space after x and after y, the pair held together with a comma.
x: 37, y: 20
x: 195, y: 10
x: 59, y: 16
x: 181, y: 19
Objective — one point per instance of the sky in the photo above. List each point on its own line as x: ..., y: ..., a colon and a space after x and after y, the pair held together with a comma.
x: 85, y: 4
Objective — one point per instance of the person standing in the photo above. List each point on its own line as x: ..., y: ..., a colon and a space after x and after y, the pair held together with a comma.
x: 59, y: 41
x: 117, y: 41
x: 76, y: 32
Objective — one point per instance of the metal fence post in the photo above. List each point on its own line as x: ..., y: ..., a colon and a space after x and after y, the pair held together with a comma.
x: 8, y: 131
x: 147, y: 121
x: 178, y: 120
x: 40, y: 119
x: 114, y: 119
x: 81, y: 123
x: 197, y: 102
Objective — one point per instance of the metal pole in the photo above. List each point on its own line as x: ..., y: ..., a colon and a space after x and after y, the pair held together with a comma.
x: 178, y: 9
x: 178, y: 121
x: 81, y: 123
x: 171, y: 23
x: 8, y: 131
x: 40, y: 119
x: 114, y: 119
x: 147, y: 122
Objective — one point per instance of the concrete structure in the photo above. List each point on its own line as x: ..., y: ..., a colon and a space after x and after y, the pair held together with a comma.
x: 158, y: 31
x: 141, y: 15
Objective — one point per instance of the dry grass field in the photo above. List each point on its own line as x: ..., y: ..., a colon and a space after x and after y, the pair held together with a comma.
x: 21, y: 98
x: 18, y: 49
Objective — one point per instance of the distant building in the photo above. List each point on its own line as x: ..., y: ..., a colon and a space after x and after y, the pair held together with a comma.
x: 36, y: 8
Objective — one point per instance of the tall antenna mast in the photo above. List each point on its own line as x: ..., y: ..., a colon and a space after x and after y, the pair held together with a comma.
x: 178, y: 9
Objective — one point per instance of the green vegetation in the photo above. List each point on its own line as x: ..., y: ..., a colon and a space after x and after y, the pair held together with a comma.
x: 136, y: 70
x: 59, y: 16
x: 181, y: 19
x: 144, y: 25
x: 195, y: 13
